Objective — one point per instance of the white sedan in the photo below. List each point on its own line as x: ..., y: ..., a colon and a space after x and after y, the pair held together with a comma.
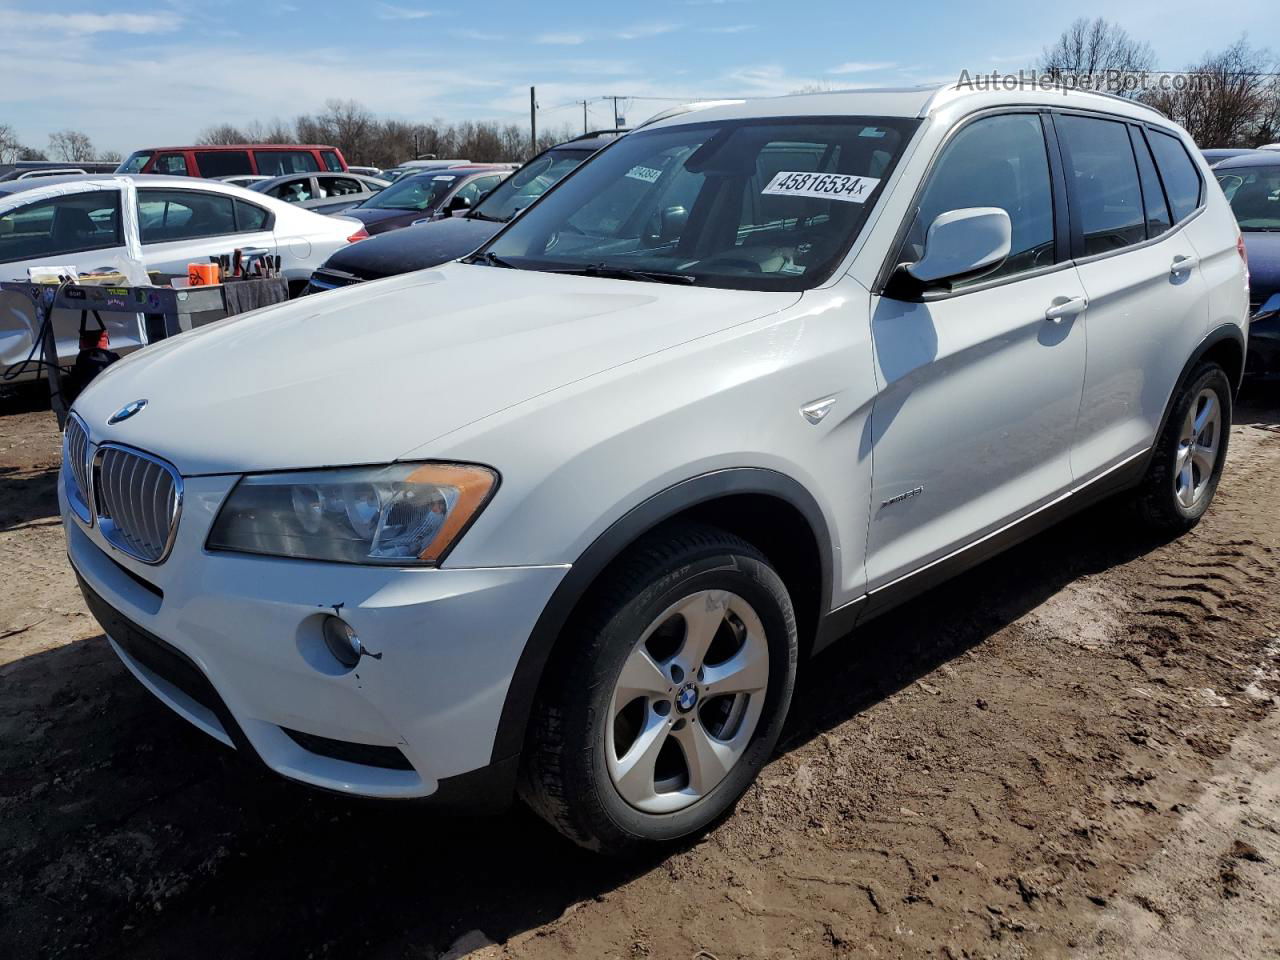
x: 136, y: 223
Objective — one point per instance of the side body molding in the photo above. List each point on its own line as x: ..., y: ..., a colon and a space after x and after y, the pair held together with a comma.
x: 509, y: 740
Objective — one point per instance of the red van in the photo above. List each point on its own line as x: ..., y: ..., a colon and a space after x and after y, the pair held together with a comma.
x: 266, y: 159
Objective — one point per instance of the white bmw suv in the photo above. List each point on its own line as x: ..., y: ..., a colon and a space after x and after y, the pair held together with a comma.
x: 562, y: 520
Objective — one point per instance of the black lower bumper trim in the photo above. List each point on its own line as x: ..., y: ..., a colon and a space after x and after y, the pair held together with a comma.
x: 365, y: 754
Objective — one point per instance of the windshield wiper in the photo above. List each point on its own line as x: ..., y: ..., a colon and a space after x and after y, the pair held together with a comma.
x: 491, y: 259
x: 625, y: 273
x: 477, y: 215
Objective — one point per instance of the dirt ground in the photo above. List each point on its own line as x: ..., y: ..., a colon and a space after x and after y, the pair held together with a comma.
x: 1073, y: 750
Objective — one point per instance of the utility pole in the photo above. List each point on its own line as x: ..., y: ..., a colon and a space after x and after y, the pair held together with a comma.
x: 615, y: 114
x: 533, y: 117
x: 584, y: 118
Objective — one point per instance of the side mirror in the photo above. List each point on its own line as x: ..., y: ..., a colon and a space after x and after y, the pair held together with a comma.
x: 672, y: 222
x: 963, y: 244
x: 457, y: 204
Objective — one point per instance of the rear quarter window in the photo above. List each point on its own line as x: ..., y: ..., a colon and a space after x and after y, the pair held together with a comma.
x: 1181, y: 179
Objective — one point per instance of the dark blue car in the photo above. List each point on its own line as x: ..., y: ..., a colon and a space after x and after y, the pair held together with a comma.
x: 1252, y: 185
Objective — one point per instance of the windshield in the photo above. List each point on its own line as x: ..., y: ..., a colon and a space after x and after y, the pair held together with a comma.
x: 527, y: 184
x: 748, y: 204
x: 413, y: 193
x: 135, y: 163
x: 1254, y: 194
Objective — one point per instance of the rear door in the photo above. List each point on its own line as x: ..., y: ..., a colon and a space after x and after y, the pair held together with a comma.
x: 180, y: 227
x: 1148, y: 302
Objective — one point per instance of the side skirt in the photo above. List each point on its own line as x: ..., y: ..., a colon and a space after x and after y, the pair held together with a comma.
x: 842, y: 620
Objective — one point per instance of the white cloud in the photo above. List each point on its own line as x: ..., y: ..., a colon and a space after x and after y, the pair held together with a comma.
x: 477, y: 35
x: 641, y: 31
x: 90, y: 23
x: 735, y: 28
x: 560, y: 39
x: 387, y: 11
x: 861, y: 66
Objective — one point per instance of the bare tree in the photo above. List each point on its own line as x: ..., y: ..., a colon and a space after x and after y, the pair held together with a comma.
x: 1230, y: 98
x: 222, y: 133
x: 110, y: 156
x: 1098, y: 53
x: 71, y: 146
x: 10, y: 148
x: 31, y: 153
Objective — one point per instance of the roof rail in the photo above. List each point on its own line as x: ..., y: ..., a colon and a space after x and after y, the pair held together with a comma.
x: 1048, y: 86
x: 605, y: 131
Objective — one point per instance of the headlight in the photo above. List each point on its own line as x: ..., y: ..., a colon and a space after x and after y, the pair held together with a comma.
x: 405, y: 513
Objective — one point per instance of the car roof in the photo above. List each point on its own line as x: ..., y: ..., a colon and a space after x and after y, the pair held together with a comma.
x: 1258, y: 158
x: 144, y: 179
x: 915, y: 102
x: 241, y: 146
x: 271, y: 181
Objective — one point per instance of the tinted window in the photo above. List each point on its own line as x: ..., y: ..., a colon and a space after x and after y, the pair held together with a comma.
x: 276, y: 163
x: 166, y: 215
x: 135, y: 163
x: 250, y: 217
x: 291, y: 191
x: 331, y: 161
x: 743, y: 229
x: 1181, y: 180
x: 81, y: 221
x: 1153, y: 201
x: 339, y: 186
x: 223, y: 163
x: 528, y: 183
x: 413, y: 193
x: 995, y: 162
x: 477, y: 188
x: 171, y: 163
x: 1102, y: 178
x: 1254, y: 194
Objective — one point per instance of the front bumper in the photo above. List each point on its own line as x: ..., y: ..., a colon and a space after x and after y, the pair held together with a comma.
x: 233, y: 644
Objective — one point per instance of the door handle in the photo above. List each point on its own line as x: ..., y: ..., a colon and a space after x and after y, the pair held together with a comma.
x: 1181, y: 264
x: 1068, y: 308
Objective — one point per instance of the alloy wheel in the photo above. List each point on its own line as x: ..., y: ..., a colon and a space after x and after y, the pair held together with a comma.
x: 1198, y: 448
x: 687, y: 701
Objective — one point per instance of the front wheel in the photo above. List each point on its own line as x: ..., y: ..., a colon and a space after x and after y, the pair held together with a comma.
x: 1190, y: 453
x: 664, y: 701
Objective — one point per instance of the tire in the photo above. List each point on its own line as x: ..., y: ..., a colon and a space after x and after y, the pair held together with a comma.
x: 616, y: 720
x: 1170, y: 498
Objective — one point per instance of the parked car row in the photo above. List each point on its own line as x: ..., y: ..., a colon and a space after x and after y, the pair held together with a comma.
x: 87, y: 222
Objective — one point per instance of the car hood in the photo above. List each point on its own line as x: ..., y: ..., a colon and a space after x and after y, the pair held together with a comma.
x: 413, y: 248
x: 370, y: 372
x: 371, y: 215
x: 1263, y: 249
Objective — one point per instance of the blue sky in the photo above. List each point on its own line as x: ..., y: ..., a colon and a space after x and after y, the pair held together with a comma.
x: 135, y: 74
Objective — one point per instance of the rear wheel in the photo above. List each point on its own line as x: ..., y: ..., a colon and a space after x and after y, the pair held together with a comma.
x: 1190, y: 453
x: 663, y: 703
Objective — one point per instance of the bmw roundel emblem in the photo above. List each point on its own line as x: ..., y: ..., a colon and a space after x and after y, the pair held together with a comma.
x: 127, y: 411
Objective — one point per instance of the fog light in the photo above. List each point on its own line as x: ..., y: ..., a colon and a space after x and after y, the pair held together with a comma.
x: 340, y: 637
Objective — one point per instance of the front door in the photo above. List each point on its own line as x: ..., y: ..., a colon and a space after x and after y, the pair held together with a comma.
x: 978, y: 385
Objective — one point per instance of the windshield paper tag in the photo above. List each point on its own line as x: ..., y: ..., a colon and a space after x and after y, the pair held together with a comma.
x: 824, y: 186
x: 647, y: 174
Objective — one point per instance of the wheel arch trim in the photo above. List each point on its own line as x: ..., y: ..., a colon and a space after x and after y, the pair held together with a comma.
x: 609, y: 545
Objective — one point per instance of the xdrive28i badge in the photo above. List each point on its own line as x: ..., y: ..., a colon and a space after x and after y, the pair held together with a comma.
x: 127, y: 411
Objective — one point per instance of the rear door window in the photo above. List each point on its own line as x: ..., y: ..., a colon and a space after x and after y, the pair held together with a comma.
x: 168, y: 215
x: 174, y: 164
x: 1181, y: 179
x: 62, y: 225
x: 339, y: 186
x: 1102, y: 183
x: 277, y: 163
x: 223, y: 163
x: 331, y: 161
x: 293, y: 191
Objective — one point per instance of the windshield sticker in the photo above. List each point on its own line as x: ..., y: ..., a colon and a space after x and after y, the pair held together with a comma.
x: 871, y: 132
x: 445, y: 179
x: 647, y: 174
x: 824, y: 186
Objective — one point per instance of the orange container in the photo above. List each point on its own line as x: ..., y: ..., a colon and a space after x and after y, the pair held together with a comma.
x: 203, y: 274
